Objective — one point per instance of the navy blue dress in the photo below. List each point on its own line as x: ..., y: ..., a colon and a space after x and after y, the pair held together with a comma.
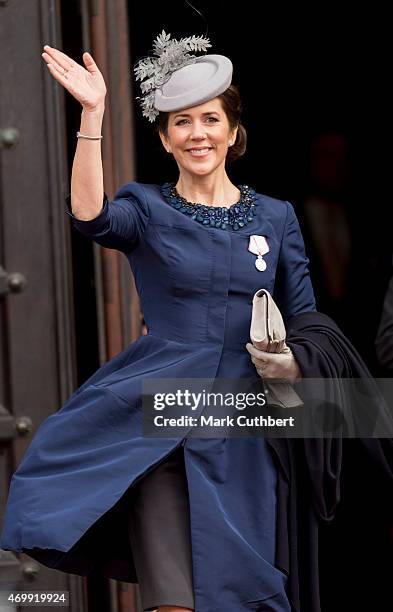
x: 196, y: 285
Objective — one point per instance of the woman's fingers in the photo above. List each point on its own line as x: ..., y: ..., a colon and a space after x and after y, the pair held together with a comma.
x: 67, y: 63
x: 90, y: 64
x: 266, y: 364
x: 59, y: 57
x: 256, y: 352
x: 63, y: 68
x: 86, y: 84
x: 50, y: 60
x: 58, y: 73
x: 57, y: 69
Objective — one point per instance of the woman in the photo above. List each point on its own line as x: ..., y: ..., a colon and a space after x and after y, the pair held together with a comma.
x: 200, y: 512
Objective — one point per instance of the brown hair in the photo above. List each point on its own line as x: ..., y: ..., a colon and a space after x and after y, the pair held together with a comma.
x: 231, y: 103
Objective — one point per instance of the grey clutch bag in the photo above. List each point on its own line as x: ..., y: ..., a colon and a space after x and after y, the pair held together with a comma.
x: 268, y: 333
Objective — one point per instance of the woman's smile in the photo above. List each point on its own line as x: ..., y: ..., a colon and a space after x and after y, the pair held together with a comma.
x: 199, y: 151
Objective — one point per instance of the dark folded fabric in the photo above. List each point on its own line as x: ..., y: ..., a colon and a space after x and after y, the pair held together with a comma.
x: 313, y: 471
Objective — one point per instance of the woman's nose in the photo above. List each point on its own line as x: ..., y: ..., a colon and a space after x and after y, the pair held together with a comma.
x: 198, y: 132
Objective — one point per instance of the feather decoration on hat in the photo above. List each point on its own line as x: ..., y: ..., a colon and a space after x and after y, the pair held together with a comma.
x: 169, y: 55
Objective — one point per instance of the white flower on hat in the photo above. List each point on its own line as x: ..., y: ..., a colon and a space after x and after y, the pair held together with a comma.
x: 170, y: 55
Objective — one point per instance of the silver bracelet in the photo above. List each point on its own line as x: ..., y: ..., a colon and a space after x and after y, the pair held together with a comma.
x: 79, y: 135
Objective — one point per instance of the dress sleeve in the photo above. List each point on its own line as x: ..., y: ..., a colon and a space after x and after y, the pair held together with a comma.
x: 293, y: 289
x: 120, y: 223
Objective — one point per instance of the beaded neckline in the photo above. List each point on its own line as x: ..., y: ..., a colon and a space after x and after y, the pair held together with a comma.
x: 233, y: 217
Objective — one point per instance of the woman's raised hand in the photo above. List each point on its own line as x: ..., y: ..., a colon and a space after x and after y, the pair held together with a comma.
x: 87, y: 85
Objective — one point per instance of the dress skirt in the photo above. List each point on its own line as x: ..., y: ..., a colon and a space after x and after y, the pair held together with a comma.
x: 159, y: 532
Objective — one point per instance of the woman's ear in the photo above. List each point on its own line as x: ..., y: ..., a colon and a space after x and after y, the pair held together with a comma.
x: 233, y: 136
x: 165, y: 143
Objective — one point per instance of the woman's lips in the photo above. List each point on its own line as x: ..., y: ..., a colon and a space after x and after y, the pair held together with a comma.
x: 200, y: 152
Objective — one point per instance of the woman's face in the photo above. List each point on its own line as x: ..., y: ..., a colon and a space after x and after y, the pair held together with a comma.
x: 199, y: 137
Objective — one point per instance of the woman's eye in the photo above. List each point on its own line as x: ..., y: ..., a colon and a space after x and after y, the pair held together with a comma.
x: 208, y: 119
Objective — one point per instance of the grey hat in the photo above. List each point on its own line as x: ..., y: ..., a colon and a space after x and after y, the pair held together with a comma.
x: 194, y: 84
x: 175, y: 79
